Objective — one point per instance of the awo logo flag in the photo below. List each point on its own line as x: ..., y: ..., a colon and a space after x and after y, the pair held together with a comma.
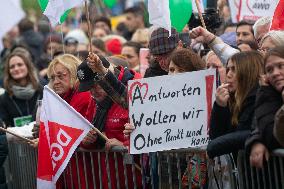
x: 61, y: 131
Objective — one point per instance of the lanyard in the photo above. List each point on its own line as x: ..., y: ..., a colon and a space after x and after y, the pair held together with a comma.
x: 18, y: 108
x: 27, y: 105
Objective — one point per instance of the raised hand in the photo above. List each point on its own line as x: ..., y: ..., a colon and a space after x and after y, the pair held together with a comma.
x: 96, y: 64
x: 222, y: 95
x: 201, y: 35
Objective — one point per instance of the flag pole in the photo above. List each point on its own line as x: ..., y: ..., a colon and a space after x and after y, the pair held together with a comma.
x: 16, y: 135
x: 200, y: 14
x: 100, y: 133
x: 89, y: 25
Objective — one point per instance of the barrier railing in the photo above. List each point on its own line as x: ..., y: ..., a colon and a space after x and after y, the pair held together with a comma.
x: 117, y: 169
x: 270, y: 176
x: 21, y: 166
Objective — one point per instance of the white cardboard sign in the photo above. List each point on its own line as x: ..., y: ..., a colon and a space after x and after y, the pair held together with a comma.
x: 171, y: 112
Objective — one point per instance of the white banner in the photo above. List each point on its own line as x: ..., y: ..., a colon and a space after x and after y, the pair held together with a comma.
x: 234, y: 9
x: 254, y: 9
x: 194, y: 7
x: 11, y: 14
x: 251, y: 9
x: 171, y: 112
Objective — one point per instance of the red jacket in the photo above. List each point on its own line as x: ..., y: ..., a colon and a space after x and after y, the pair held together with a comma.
x: 79, y: 101
x: 116, y: 118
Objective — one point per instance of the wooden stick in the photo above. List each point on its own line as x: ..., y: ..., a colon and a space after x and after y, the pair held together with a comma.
x: 89, y: 26
x: 100, y: 133
x: 16, y: 135
x: 200, y: 14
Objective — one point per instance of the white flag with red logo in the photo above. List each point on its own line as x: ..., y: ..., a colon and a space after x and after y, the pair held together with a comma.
x: 61, y: 131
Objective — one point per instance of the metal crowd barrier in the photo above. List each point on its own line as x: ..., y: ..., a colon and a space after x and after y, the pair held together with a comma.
x: 163, y: 170
x: 270, y: 177
x: 21, y: 166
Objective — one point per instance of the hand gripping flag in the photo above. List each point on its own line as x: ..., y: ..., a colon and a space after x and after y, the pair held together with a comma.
x: 61, y: 131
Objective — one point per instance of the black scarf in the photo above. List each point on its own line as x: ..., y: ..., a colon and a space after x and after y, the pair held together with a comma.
x: 103, y: 107
x: 101, y: 113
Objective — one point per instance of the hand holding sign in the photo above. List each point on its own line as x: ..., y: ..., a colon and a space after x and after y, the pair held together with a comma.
x: 96, y: 64
x: 128, y: 129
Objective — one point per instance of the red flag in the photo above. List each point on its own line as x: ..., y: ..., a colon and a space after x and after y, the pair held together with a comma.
x: 61, y: 131
x: 278, y: 17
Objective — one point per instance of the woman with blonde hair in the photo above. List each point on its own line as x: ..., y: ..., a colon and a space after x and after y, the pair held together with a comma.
x: 141, y: 36
x: 62, y: 74
x: 233, y: 110
x: 22, y: 89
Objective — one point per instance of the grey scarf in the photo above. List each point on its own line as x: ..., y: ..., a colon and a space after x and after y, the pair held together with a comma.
x: 24, y: 93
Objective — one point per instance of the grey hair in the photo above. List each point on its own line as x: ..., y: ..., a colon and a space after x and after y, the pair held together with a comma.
x: 261, y: 22
x: 276, y: 36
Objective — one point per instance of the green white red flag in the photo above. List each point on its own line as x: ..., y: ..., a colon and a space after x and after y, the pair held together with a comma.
x: 57, y: 10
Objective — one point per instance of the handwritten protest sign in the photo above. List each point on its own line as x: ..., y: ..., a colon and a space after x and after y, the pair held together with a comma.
x: 254, y: 9
x: 171, y: 112
x: 251, y: 9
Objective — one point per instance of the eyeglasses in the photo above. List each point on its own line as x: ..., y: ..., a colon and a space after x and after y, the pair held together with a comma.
x: 60, y: 77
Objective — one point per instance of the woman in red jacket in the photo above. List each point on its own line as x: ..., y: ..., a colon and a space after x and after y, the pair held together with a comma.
x: 63, y: 80
x: 107, y: 85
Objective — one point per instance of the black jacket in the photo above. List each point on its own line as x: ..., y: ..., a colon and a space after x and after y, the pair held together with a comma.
x: 154, y: 70
x: 268, y: 101
x: 9, y: 111
x: 226, y: 138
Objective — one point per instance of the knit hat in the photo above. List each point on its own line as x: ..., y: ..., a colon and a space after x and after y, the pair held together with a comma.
x: 276, y: 36
x: 86, y: 76
x: 160, y: 42
x: 114, y: 46
x: 79, y: 35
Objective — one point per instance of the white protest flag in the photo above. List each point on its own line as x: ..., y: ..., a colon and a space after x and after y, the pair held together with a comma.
x: 61, y: 131
x: 159, y: 14
x: 235, y: 10
x: 194, y: 6
x: 54, y: 9
x: 11, y: 14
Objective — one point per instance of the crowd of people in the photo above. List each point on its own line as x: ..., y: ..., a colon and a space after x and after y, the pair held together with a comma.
x: 248, y: 113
